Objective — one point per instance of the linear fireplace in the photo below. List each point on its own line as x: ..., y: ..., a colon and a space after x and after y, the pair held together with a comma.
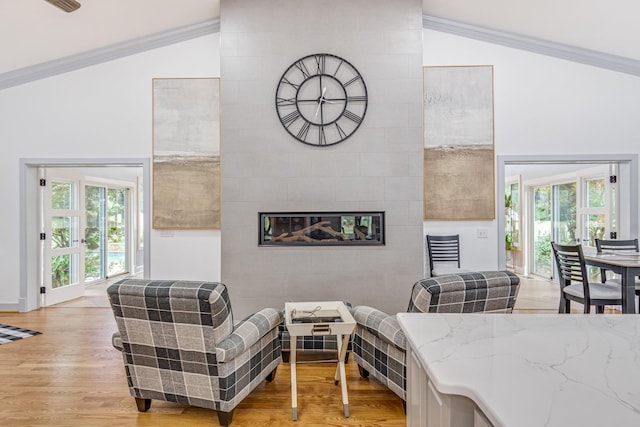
x: 321, y: 228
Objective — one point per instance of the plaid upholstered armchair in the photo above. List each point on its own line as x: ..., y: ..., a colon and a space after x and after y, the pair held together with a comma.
x: 379, y: 344
x: 179, y: 344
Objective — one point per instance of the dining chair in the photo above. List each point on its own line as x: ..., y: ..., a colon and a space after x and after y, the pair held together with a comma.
x: 575, y: 285
x: 618, y: 245
x: 444, y: 255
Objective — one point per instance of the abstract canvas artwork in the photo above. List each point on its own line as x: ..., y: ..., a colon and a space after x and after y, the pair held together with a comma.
x: 186, y: 153
x: 458, y: 143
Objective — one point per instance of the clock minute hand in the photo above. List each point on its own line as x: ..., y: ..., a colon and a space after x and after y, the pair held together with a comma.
x: 320, y: 100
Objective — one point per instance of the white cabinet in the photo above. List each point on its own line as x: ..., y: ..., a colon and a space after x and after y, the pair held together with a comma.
x: 416, y: 392
x: 479, y: 420
x: 427, y: 407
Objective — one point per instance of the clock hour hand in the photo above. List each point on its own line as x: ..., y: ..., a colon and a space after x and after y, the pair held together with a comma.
x: 320, y: 100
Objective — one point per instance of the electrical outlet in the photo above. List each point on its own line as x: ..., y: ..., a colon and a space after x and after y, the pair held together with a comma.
x: 483, y: 233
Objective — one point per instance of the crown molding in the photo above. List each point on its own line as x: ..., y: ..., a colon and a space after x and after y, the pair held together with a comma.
x: 531, y: 44
x: 142, y: 44
x: 107, y: 53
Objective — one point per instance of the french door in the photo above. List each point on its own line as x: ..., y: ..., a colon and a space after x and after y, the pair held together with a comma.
x: 571, y: 212
x: 84, y: 234
x: 62, y: 222
x: 596, y: 221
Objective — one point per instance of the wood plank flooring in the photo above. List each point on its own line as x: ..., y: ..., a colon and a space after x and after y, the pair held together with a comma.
x: 72, y: 376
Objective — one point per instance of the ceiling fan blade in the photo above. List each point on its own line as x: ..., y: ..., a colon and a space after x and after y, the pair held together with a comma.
x: 66, y: 5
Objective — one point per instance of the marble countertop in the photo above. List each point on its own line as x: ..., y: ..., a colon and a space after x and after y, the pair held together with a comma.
x: 534, y: 369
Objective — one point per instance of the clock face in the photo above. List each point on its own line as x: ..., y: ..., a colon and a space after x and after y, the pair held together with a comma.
x: 321, y: 99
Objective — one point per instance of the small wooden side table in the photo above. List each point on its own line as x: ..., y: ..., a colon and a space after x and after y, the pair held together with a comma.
x: 319, y: 318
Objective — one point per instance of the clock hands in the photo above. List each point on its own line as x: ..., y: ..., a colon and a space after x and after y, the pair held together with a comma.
x: 321, y: 100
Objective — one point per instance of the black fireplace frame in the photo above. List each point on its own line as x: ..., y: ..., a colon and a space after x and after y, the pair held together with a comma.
x: 354, y: 228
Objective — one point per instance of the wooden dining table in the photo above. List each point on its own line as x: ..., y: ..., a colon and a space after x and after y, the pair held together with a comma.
x: 626, y: 264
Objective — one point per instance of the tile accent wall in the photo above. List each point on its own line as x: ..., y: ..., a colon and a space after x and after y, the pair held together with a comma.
x: 379, y: 168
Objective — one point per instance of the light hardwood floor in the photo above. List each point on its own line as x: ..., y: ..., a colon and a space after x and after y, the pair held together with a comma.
x: 71, y: 376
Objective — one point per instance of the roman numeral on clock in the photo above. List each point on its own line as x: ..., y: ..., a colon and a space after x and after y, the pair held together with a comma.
x: 303, y: 69
x: 355, y: 79
x: 295, y: 86
x: 290, y: 118
x: 322, y: 137
x: 320, y: 62
x: 352, y: 116
x: 286, y: 102
x: 304, y: 130
x: 341, y: 131
x: 356, y: 98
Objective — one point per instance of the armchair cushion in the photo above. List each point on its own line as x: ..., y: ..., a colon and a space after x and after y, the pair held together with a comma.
x: 247, y: 333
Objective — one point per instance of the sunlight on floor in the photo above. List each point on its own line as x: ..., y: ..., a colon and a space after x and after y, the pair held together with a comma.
x: 95, y: 295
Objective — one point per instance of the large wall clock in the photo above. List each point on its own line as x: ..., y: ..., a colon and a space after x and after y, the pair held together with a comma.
x: 321, y: 99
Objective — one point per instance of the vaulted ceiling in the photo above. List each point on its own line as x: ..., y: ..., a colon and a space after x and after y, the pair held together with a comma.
x: 34, y: 32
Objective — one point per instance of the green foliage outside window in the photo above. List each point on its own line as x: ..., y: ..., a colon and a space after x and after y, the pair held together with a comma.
x: 566, y: 222
x: 60, y: 271
x: 61, y: 198
x: 543, y: 255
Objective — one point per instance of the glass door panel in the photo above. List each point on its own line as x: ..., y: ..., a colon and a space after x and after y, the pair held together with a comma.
x: 542, y: 257
x: 594, y: 211
x: 64, y: 235
x: 594, y: 227
x: 512, y: 209
x: 116, y: 226
x: 62, y: 247
x: 105, y: 232
x: 94, y: 233
x: 596, y: 193
x: 564, y: 213
x: 594, y: 215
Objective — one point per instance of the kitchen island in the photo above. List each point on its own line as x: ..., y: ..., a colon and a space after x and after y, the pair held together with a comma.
x: 522, y: 369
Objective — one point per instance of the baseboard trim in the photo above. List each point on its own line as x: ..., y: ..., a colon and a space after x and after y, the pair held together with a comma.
x: 8, y: 307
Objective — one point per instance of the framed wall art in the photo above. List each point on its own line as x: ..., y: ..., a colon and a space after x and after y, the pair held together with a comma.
x: 458, y: 143
x: 186, y: 153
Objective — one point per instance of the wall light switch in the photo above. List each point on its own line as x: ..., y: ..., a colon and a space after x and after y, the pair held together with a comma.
x: 166, y: 233
x: 483, y: 233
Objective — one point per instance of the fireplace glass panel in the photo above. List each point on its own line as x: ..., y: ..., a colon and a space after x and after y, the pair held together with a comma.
x: 321, y: 228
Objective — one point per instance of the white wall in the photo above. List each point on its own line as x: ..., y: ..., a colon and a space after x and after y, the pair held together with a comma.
x: 103, y: 111
x: 542, y: 105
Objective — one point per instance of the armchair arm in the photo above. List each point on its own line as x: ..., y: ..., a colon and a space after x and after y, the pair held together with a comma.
x: 381, y: 325
x: 247, y: 333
